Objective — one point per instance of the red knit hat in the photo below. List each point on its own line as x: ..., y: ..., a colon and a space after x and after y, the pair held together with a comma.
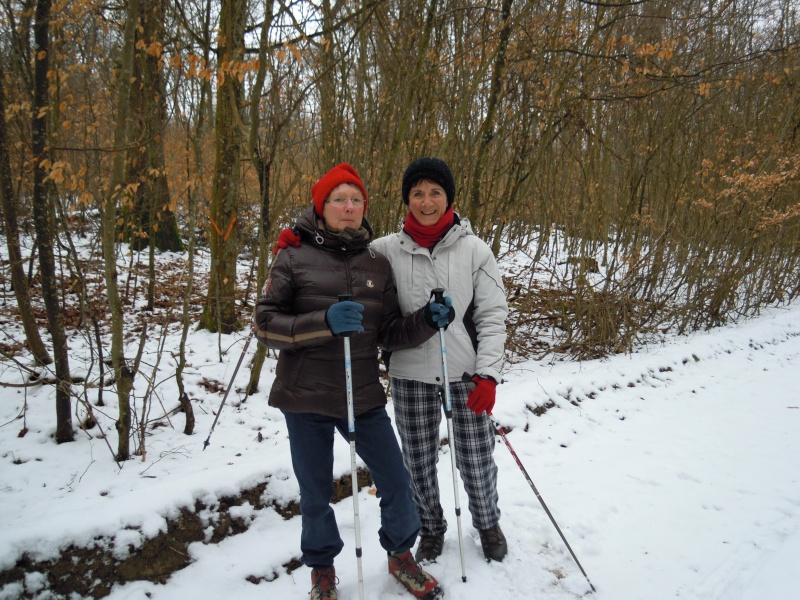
x: 341, y: 173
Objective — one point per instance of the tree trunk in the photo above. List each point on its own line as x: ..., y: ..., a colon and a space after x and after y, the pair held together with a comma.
x: 195, y: 169
x: 123, y: 375
x: 220, y: 310
x: 44, y: 223
x: 405, y: 110
x: 263, y: 166
x: 264, y: 171
x: 150, y: 217
x: 487, y: 125
x: 18, y: 279
x: 330, y: 129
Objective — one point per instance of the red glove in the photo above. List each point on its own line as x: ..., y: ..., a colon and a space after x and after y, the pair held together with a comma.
x: 482, y: 397
x: 286, y: 238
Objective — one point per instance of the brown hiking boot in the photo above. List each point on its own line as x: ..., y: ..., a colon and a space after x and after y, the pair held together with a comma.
x: 323, y: 584
x: 408, y: 572
x: 493, y: 543
x: 430, y: 548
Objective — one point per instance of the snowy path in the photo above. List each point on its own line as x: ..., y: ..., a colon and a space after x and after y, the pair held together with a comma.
x: 674, y: 475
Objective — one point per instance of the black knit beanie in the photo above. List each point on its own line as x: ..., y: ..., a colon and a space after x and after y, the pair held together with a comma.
x: 432, y: 169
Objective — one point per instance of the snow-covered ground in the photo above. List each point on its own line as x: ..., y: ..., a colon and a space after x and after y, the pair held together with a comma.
x: 673, y: 472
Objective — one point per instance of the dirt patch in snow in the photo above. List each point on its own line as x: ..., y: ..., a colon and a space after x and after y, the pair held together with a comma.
x: 91, y: 572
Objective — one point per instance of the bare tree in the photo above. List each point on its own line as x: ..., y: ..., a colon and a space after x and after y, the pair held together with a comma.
x: 43, y: 218
x: 220, y: 309
x: 123, y: 373
x: 20, y: 282
x: 151, y: 216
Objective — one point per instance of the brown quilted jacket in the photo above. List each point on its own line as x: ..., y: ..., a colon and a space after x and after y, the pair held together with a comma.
x: 290, y: 316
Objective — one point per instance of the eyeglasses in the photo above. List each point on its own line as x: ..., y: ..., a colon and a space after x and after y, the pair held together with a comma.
x: 343, y: 201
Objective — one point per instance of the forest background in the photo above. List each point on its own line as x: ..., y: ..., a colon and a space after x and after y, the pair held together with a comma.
x: 645, y: 154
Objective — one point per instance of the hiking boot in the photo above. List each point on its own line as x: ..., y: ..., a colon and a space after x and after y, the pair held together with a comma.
x: 323, y: 584
x: 408, y: 572
x: 494, y: 543
x: 430, y: 548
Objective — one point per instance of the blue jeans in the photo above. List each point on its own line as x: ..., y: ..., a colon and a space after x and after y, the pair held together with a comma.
x: 311, y: 442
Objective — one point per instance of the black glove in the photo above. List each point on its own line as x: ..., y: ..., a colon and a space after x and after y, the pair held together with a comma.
x: 438, y: 314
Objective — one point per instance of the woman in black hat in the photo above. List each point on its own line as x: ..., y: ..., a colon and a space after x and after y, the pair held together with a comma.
x: 437, y: 249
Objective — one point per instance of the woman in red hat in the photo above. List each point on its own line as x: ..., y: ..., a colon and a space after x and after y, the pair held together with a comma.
x: 300, y: 315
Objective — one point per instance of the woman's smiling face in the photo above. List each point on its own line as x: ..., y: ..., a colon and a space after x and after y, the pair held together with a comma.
x: 427, y: 201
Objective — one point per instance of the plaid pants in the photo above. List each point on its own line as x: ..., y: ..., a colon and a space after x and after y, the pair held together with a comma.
x: 418, y: 413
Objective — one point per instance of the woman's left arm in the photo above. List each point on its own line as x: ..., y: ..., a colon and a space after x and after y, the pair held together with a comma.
x: 397, y: 332
x: 490, y: 312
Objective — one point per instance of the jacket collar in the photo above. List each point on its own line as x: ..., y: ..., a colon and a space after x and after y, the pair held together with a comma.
x: 461, y: 227
x: 308, y: 228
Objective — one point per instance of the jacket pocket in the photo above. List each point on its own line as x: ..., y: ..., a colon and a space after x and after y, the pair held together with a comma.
x: 290, y: 368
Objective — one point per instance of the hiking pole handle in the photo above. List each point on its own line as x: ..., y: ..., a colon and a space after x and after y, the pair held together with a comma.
x: 348, y: 374
x: 346, y: 298
x: 467, y: 378
x: 438, y: 295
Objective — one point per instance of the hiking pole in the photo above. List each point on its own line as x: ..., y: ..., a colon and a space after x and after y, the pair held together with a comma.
x: 438, y: 296
x: 239, y: 364
x: 547, y: 510
x: 466, y: 378
x: 225, y: 397
x: 351, y: 429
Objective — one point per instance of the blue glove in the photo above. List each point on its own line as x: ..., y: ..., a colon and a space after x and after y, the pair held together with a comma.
x: 440, y: 315
x: 345, y: 317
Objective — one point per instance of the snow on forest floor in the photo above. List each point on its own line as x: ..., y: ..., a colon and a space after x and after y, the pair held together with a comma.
x: 672, y: 472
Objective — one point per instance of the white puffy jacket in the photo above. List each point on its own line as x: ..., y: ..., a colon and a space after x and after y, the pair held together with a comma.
x: 465, y: 267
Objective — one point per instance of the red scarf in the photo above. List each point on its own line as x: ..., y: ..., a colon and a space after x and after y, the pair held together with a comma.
x: 428, y: 236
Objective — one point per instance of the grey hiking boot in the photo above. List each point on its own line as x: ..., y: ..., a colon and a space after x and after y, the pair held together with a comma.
x: 429, y: 548
x: 323, y: 584
x: 493, y: 543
